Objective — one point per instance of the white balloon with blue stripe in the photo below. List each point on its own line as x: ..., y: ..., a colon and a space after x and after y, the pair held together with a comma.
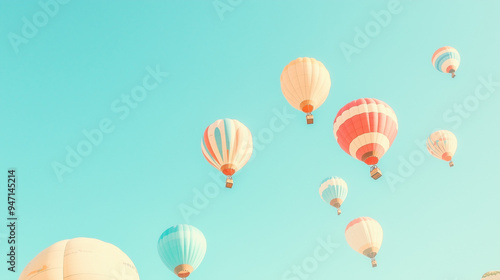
x: 333, y: 190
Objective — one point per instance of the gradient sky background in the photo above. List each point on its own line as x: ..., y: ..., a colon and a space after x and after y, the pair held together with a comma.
x: 439, y: 222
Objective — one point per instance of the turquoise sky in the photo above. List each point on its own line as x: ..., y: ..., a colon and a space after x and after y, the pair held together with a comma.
x: 75, y: 72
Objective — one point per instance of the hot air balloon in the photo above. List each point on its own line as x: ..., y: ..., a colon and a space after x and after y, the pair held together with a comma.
x: 365, y: 235
x: 365, y: 129
x: 182, y: 248
x: 333, y: 190
x: 80, y: 258
x: 492, y: 275
x: 305, y: 83
x: 446, y: 60
x: 442, y: 144
x: 227, y: 145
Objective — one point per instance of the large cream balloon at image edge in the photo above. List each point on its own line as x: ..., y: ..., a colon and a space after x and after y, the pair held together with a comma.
x: 491, y: 275
x: 80, y: 259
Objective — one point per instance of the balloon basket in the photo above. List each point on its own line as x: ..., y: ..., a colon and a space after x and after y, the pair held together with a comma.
x: 375, y: 172
x: 374, y: 263
x: 229, y: 183
x: 452, y: 164
x: 310, y: 119
x: 339, y: 212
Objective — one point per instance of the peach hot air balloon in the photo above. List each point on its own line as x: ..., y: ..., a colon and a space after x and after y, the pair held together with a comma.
x: 227, y: 145
x: 365, y: 129
x: 305, y: 83
x: 442, y: 144
x: 80, y: 258
x: 492, y: 275
x: 365, y: 235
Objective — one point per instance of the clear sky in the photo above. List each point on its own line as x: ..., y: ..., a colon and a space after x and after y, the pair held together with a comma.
x: 70, y: 69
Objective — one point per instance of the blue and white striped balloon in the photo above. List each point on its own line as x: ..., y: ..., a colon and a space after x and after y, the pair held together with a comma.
x: 333, y: 190
x: 446, y: 60
x: 182, y: 248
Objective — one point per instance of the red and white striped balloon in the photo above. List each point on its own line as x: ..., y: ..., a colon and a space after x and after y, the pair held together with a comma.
x: 227, y: 145
x: 365, y: 129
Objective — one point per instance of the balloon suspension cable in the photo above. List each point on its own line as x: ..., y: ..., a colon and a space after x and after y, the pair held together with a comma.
x: 451, y: 163
x: 339, y: 212
x: 374, y: 262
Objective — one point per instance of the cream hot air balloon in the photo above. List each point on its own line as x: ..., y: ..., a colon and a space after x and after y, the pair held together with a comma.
x: 365, y: 235
x: 305, y: 83
x: 227, y: 145
x: 492, y: 275
x: 80, y: 259
x: 442, y: 144
x: 333, y: 190
x: 182, y: 248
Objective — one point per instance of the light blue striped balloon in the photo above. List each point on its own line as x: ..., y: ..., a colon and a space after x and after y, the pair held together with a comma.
x: 445, y: 57
x: 182, y: 244
x: 333, y: 187
x: 446, y: 60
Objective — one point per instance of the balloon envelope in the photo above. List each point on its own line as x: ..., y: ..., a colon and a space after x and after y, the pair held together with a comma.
x: 182, y: 248
x: 80, y: 259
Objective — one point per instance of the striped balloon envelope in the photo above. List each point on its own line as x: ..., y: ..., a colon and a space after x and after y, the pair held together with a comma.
x: 365, y: 129
x: 80, y: 258
x: 492, y: 275
x: 182, y: 249
x: 305, y: 83
x: 333, y: 190
x: 442, y: 144
x: 446, y: 60
x: 365, y: 235
x: 227, y: 145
